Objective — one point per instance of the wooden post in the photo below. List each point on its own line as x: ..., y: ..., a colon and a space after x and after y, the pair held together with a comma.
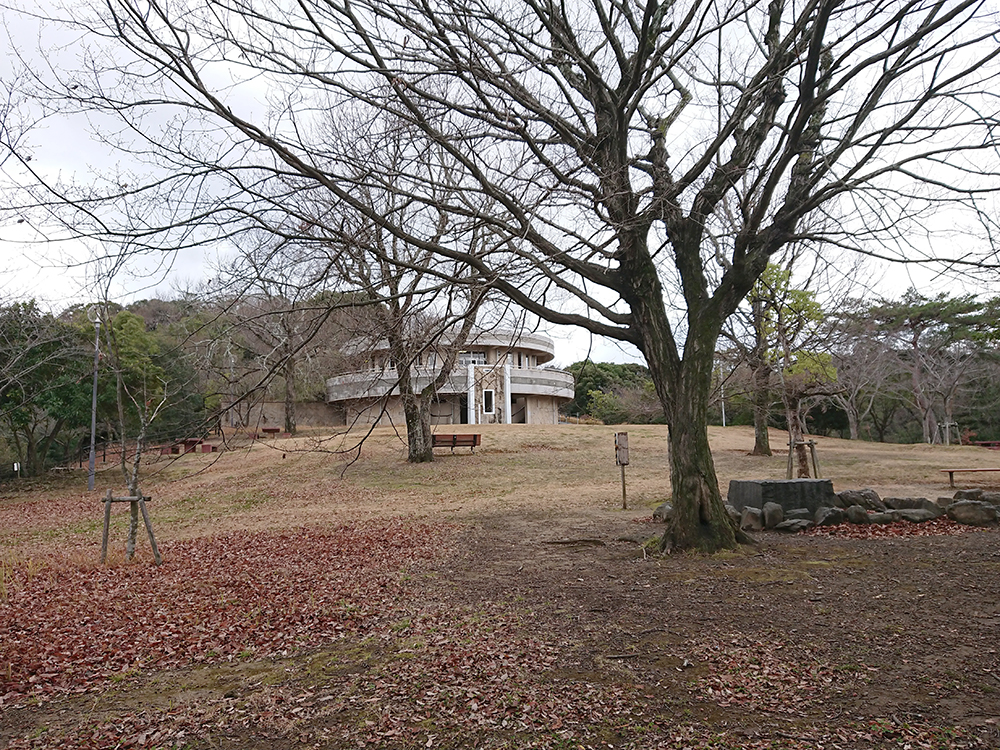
x: 624, y: 500
x: 812, y: 449
x: 149, y: 530
x: 621, y: 458
x: 107, y: 523
x: 133, y: 527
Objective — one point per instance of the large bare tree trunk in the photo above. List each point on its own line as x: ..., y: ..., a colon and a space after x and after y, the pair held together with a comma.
x: 684, y: 387
x: 419, y: 443
x: 700, y: 519
x: 853, y: 421
x: 761, y: 371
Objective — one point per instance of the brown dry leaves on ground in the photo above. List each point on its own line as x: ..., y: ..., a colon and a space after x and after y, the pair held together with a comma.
x: 68, y: 628
x: 942, y: 526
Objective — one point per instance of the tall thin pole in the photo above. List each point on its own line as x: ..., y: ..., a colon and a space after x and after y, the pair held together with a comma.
x: 93, y: 403
x: 722, y: 394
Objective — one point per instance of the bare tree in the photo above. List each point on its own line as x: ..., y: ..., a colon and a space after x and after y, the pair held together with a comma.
x: 937, y: 340
x: 421, y: 308
x: 749, y: 335
x: 867, y: 367
x: 604, y: 139
x: 271, y: 302
x: 423, y: 331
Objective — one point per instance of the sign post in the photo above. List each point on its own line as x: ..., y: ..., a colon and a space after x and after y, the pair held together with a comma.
x: 621, y: 458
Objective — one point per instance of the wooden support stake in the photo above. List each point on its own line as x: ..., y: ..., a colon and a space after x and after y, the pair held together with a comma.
x: 812, y: 449
x: 621, y: 458
x: 149, y: 529
x: 791, y: 460
x: 624, y: 502
x: 137, y: 504
x: 107, y: 523
x: 133, y: 527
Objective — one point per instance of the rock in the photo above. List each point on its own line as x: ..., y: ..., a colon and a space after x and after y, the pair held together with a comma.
x: 828, y: 516
x: 915, y: 503
x: 991, y: 497
x: 932, y: 507
x: 914, y: 515
x: 664, y: 513
x: 884, y: 517
x: 866, y: 498
x: 857, y: 514
x: 733, y: 513
x: 794, y: 526
x: 904, y: 503
x: 752, y: 519
x: 969, y: 495
x: 798, y: 514
x: 944, y: 502
x: 972, y: 513
x: 773, y: 515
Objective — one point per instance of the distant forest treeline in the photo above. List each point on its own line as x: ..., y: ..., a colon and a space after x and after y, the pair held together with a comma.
x: 916, y: 369
x: 919, y: 369
x: 181, y: 359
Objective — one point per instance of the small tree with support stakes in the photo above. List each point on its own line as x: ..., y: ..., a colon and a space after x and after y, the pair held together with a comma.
x: 137, y: 504
x: 141, y: 394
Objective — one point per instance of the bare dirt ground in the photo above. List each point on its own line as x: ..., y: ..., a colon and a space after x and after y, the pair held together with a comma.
x: 495, y: 599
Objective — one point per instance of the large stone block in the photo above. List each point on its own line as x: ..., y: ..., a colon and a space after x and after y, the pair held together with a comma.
x: 788, y: 493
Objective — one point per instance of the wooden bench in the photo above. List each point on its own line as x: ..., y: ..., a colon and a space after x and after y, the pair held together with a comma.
x: 993, y: 445
x: 952, y: 472
x: 469, y: 441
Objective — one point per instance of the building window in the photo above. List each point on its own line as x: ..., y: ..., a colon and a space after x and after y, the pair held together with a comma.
x: 472, y: 358
x: 488, y: 407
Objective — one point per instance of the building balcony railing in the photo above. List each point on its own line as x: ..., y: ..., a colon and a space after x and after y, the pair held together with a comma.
x: 368, y: 384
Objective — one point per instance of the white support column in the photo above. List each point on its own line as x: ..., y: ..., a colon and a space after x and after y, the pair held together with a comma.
x: 470, y: 408
x: 506, y: 392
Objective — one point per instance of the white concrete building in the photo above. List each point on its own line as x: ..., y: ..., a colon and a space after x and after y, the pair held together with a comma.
x: 499, y: 379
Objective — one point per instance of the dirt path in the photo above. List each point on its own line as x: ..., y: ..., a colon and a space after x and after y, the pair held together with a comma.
x: 913, y: 622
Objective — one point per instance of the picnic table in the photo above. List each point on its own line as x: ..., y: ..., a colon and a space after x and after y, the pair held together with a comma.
x: 187, y: 445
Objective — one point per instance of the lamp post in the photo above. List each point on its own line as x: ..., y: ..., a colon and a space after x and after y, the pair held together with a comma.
x: 94, y: 315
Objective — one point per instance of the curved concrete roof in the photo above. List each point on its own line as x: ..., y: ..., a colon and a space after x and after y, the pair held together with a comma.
x: 502, y: 338
x: 533, y: 343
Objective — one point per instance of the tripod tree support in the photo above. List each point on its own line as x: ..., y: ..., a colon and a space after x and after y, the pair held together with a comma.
x: 137, y: 504
x: 792, y: 445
